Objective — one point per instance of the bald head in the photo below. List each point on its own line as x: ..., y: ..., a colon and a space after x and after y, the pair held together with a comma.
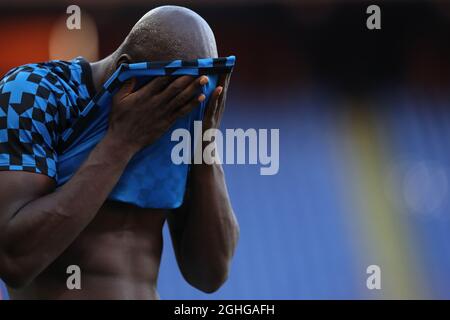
x: 168, y: 33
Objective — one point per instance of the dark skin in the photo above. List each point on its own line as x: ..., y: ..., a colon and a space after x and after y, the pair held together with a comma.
x: 118, y: 246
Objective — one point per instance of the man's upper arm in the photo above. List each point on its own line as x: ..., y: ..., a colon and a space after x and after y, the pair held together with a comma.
x: 27, y: 135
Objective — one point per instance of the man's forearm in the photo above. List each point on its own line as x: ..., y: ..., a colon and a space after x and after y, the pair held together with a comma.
x: 209, y: 232
x: 40, y: 231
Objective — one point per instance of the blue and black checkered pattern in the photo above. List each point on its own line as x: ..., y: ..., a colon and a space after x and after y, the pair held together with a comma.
x: 151, y: 179
x: 51, y: 119
x: 38, y: 103
x: 143, y: 72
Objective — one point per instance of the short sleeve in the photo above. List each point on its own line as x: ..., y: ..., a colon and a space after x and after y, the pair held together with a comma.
x: 27, y: 122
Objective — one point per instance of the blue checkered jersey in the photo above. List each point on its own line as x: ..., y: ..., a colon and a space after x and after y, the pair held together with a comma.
x: 51, y: 118
x: 38, y: 104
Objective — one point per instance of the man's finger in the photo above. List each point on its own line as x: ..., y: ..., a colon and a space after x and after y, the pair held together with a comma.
x: 223, y: 80
x: 213, y: 101
x: 216, y: 94
x: 154, y: 87
x: 181, y: 112
x: 176, y: 87
x: 188, y: 93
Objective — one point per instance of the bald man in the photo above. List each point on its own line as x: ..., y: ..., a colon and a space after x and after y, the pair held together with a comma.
x: 117, y: 246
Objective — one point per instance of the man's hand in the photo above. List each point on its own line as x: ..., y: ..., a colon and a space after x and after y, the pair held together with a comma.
x: 141, y: 117
x: 216, y: 105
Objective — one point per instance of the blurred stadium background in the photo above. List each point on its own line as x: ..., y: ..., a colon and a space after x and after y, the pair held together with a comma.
x: 364, y: 123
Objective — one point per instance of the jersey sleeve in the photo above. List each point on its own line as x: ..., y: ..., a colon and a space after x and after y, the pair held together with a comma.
x: 27, y: 123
